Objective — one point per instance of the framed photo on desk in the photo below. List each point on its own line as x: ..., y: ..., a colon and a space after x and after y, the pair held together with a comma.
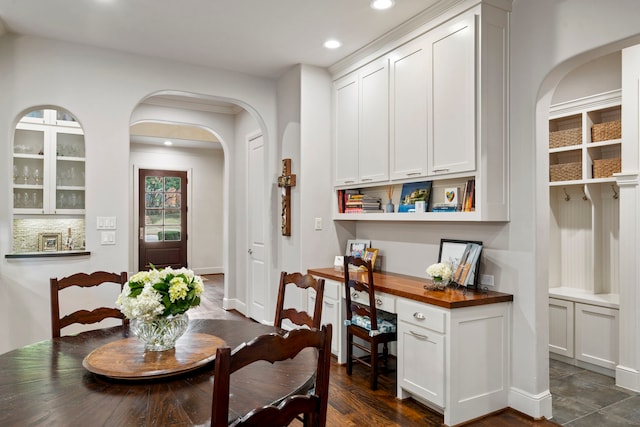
x: 357, y: 248
x: 464, y: 257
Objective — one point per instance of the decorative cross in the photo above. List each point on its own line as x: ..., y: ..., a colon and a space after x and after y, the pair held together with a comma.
x: 286, y: 181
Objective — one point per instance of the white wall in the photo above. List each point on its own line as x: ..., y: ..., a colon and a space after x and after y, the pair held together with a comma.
x: 601, y: 75
x: 101, y: 88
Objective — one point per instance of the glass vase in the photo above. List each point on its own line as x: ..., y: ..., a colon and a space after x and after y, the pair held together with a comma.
x: 162, y: 333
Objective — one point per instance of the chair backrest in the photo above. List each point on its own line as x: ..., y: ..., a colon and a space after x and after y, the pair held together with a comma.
x: 299, y: 318
x: 83, y: 280
x: 361, y: 281
x: 275, y: 348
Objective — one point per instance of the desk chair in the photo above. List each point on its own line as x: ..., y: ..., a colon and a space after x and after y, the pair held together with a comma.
x: 83, y: 280
x: 296, y: 317
x: 364, y: 321
x: 275, y: 348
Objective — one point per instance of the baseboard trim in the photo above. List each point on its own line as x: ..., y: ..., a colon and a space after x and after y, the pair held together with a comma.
x: 208, y: 270
x: 628, y: 378
x: 234, y: 304
x: 536, y: 406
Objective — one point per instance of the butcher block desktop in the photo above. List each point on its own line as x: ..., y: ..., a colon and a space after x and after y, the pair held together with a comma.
x: 453, y: 345
x: 413, y: 288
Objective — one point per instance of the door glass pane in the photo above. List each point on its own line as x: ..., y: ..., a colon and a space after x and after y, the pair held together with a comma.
x: 172, y: 217
x: 153, y: 217
x: 153, y: 200
x: 172, y: 200
x: 153, y: 184
x: 152, y: 234
x: 172, y: 233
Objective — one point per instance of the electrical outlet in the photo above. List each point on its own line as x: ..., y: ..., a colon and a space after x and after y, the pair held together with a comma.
x: 318, y: 224
x: 486, y: 280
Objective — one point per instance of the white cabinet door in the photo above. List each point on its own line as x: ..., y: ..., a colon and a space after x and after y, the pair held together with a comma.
x: 597, y: 335
x: 373, y: 123
x: 561, y: 327
x: 452, y: 97
x: 330, y: 312
x: 346, y: 129
x: 421, y: 362
x: 408, y: 113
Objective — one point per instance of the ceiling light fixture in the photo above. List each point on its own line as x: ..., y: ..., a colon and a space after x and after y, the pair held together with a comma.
x: 332, y: 44
x: 168, y: 143
x: 382, y: 4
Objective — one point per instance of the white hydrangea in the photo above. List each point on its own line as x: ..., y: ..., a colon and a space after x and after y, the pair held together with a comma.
x: 147, y: 306
x: 442, y: 270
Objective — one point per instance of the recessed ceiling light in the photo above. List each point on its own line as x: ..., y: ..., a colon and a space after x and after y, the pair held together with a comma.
x: 168, y: 143
x: 382, y: 4
x: 332, y: 44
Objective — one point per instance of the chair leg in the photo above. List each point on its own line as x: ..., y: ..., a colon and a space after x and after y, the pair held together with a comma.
x: 385, y: 355
x: 349, y: 353
x: 374, y: 366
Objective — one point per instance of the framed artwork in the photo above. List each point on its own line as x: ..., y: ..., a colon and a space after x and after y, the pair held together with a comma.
x: 49, y: 242
x: 464, y: 257
x: 357, y: 247
x: 370, y: 254
x: 415, y: 192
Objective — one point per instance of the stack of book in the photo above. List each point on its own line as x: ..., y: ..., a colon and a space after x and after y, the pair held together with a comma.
x: 362, y: 203
x: 371, y: 204
x: 353, y: 203
x: 469, y: 195
x: 446, y: 207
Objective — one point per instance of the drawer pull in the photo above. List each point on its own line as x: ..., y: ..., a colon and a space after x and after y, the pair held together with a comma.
x: 329, y: 304
x: 419, y: 316
x: 419, y: 336
x: 354, y: 295
x: 378, y: 301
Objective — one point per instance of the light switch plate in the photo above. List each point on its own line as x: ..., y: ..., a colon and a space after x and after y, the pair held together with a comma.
x: 108, y: 238
x: 106, y: 223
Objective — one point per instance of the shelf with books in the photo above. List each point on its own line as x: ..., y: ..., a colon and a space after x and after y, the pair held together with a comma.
x: 444, y: 200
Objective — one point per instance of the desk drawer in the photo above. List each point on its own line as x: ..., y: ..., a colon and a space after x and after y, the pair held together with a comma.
x: 383, y: 301
x: 423, y: 315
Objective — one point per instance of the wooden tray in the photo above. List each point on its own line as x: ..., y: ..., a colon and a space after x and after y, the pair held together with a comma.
x: 126, y: 358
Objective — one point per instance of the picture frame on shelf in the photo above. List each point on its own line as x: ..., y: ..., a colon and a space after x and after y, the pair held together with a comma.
x: 357, y: 247
x: 49, y: 242
x: 415, y: 192
x: 464, y: 257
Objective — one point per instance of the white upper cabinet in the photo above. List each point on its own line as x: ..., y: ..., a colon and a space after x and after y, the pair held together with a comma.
x: 408, y: 112
x: 451, y: 123
x: 373, y: 124
x: 346, y: 129
x: 362, y: 125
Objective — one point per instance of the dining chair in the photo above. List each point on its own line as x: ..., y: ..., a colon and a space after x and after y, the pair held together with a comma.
x: 310, y: 404
x: 372, y: 326
x: 83, y: 280
x: 299, y: 318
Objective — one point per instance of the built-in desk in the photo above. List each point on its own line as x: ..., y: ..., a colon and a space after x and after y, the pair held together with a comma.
x: 453, y: 346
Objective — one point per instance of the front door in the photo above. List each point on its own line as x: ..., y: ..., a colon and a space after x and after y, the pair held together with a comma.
x: 163, y: 219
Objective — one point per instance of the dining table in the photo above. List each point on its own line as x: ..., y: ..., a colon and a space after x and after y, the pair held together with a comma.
x: 50, y: 383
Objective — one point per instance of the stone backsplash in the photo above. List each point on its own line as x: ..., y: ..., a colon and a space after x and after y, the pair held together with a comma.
x: 46, y: 234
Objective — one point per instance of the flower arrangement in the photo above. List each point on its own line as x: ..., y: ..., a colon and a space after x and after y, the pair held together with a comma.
x: 153, y: 294
x: 440, y: 272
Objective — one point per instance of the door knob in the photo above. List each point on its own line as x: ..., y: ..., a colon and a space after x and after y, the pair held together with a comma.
x: 250, y: 251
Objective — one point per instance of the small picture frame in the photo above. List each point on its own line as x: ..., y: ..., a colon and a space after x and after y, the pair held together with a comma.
x: 453, y: 251
x: 370, y: 254
x: 49, y: 242
x: 357, y: 248
x: 338, y: 263
x: 451, y: 196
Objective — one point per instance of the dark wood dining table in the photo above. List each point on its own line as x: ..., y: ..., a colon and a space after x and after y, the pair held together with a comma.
x: 45, y: 384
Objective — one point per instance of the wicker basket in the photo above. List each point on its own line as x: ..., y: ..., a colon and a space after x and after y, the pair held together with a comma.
x: 565, y: 172
x: 603, y: 168
x: 564, y: 138
x: 606, y: 131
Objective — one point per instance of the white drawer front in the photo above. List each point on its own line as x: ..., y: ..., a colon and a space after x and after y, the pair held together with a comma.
x: 383, y: 301
x: 420, y: 314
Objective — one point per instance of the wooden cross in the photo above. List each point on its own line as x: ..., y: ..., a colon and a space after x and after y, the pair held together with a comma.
x: 286, y: 181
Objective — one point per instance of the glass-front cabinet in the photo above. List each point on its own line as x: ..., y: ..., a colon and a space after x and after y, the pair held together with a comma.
x: 48, y: 164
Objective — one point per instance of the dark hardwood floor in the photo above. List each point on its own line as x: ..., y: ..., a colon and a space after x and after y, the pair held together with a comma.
x: 351, y: 402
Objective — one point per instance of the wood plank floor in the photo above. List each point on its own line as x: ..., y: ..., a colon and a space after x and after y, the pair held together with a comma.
x: 351, y: 402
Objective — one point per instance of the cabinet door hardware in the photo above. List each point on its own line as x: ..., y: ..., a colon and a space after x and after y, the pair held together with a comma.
x: 419, y: 336
x: 419, y: 316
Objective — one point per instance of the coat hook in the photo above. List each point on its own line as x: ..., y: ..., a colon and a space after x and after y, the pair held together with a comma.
x: 615, y: 193
x: 584, y: 195
x: 566, y: 195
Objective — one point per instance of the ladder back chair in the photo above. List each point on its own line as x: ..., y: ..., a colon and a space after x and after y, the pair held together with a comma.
x: 83, y: 280
x: 299, y: 318
x: 275, y: 348
x: 364, y: 321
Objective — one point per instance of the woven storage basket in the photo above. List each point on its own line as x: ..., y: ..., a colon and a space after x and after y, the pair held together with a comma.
x: 565, y: 172
x: 603, y: 168
x: 564, y: 138
x: 606, y: 131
